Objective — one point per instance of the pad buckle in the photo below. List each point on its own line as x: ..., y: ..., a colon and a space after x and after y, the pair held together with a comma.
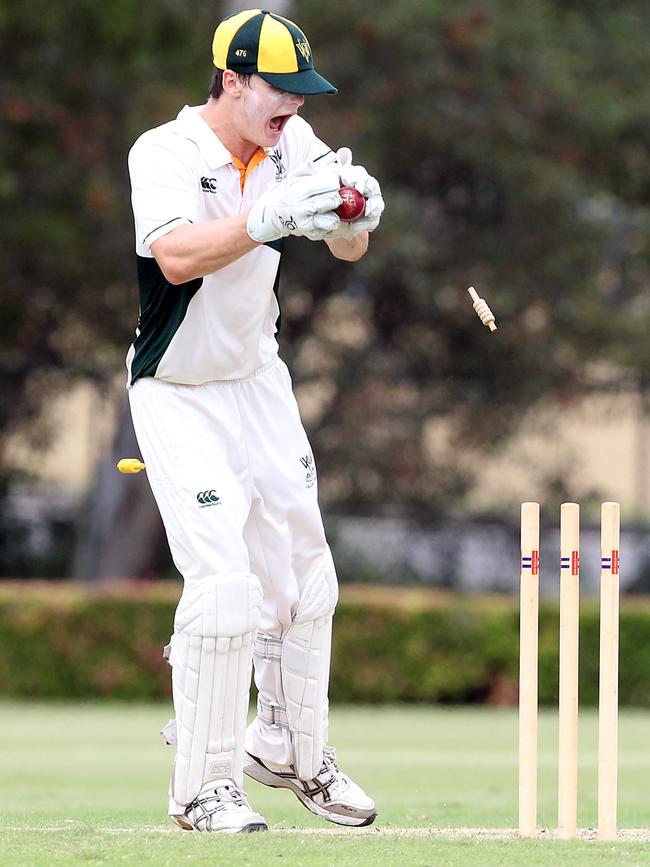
x: 274, y: 716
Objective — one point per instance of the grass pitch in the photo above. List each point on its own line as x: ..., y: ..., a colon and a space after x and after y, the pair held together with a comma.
x: 86, y: 784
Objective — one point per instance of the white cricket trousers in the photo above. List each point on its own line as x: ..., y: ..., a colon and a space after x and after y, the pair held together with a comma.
x: 232, y: 472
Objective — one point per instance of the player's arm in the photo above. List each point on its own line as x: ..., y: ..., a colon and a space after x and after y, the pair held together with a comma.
x: 165, y: 195
x: 193, y: 250
x: 300, y: 205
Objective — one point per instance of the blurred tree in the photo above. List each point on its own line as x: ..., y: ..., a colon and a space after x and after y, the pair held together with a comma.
x: 511, y: 142
x: 78, y: 80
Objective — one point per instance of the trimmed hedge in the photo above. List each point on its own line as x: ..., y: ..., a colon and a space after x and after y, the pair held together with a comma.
x: 390, y: 644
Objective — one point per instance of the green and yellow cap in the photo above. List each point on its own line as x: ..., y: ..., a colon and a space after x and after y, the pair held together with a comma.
x: 272, y: 47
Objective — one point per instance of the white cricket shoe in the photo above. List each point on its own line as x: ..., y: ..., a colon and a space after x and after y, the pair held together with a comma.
x: 330, y: 794
x: 220, y: 806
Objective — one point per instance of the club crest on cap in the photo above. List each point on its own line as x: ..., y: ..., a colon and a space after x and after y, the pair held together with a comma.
x: 304, y: 49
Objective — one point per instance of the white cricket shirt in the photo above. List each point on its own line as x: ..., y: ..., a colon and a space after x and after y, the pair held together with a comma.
x: 221, y: 326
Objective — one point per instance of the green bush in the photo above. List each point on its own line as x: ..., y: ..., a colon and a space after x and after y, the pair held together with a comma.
x: 66, y: 641
x: 390, y: 644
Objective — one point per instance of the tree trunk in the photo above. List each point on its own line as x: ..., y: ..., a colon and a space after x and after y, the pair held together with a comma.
x: 120, y: 531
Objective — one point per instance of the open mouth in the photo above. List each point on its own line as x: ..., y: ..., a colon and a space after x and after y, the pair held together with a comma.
x: 278, y: 122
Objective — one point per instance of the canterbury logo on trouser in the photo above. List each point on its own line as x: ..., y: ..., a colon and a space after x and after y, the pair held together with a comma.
x: 207, y: 498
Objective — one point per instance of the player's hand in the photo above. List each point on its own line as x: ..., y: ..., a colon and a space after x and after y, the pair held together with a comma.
x: 327, y: 225
x: 302, y: 204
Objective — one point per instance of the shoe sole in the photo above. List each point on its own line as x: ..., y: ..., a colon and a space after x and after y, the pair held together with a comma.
x: 257, y: 771
x: 182, y: 822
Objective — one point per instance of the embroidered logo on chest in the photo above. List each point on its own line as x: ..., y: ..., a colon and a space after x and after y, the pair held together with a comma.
x: 209, y: 185
x: 310, y: 469
x: 275, y: 155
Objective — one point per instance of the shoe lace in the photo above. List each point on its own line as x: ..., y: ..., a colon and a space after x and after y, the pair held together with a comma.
x: 330, y: 774
x: 220, y: 797
x: 329, y: 758
x: 230, y: 792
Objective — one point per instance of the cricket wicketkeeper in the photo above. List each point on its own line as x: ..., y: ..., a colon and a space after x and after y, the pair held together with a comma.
x: 215, y: 192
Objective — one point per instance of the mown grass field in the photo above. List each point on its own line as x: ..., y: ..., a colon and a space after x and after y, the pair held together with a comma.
x: 86, y: 784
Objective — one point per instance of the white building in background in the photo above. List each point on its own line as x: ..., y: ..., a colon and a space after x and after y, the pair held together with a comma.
x: 601, y: 445
x: 82, y: 423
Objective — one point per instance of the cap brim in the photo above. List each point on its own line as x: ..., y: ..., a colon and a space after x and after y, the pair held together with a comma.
x: 307, y: 82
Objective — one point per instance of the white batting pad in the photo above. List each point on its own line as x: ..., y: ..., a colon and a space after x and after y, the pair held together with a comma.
x: 211, y: 655
x: 305, y: 665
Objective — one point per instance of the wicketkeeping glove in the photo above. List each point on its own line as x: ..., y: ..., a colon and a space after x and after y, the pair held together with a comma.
x: 302, y: 204
x: 358, y: 177
x: 353, y: 176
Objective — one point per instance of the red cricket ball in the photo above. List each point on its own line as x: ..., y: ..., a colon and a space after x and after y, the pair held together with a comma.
x: 352, y: 206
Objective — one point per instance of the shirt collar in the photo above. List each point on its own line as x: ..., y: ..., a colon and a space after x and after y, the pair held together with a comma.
x: 196, y: 129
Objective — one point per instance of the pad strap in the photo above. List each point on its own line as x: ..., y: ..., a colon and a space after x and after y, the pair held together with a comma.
x: 267, y: 646
x: 273, y: 714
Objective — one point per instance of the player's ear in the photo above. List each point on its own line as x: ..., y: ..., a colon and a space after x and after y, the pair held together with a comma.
x: 231, y: 83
